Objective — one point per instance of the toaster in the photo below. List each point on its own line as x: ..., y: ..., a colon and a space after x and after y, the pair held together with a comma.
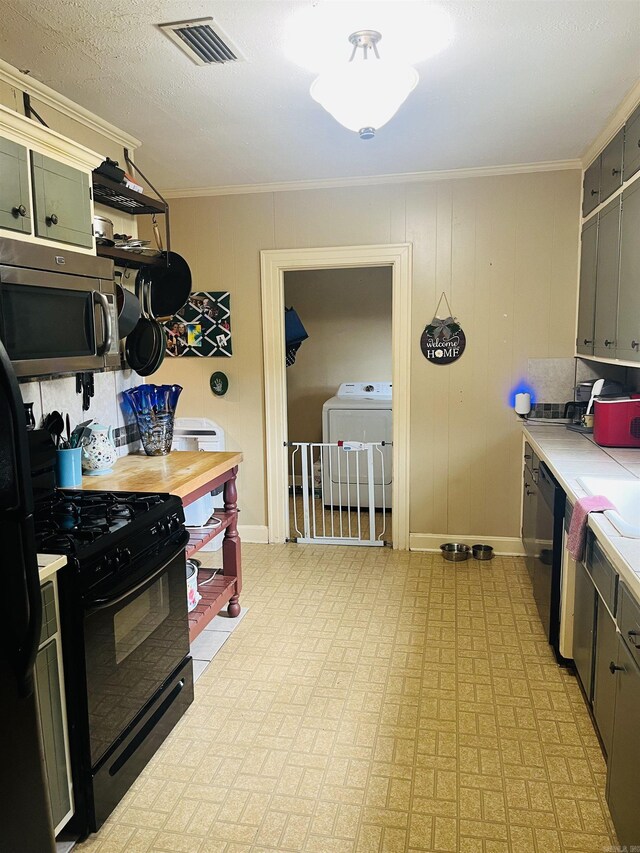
x: 616, y: 423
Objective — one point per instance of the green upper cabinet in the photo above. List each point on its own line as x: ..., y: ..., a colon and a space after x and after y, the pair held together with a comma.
x: 15, y: 204
x: 587, y: 305
x: 591, y: 187
x: 607, y: 275
x: 62, y: 202
x: 632, y: 145
x: 611, y: 166
x: 628, y: 336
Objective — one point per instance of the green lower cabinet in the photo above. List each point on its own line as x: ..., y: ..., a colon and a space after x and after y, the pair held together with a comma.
x: 62, y: 202
x: 15, y: 204
x: 604, y: 682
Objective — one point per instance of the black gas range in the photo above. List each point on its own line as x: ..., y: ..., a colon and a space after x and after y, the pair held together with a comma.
x: 125, y: 635
x: 105, y: 532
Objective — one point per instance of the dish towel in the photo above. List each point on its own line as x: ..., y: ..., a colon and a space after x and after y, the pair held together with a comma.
x: 578, y: 526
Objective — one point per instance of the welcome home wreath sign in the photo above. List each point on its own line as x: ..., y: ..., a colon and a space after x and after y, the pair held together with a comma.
x: 443, y: 340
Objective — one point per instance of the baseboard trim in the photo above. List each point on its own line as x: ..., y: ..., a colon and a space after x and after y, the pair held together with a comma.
x: 503, y: 545
x: 257, y: 534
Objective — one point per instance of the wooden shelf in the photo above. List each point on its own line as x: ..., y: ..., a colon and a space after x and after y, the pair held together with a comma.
x: 198, y: 539
x: 215, y: 595
x: 112, y: 194
x: 121, y: 257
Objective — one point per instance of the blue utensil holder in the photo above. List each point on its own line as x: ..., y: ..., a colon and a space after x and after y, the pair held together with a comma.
x: 69, y: 468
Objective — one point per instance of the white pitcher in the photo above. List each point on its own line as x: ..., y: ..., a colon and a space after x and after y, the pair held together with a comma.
x: 99, y: 451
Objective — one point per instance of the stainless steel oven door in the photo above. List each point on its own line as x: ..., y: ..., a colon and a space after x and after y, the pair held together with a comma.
x: 53, y: 322
x: 135, y: 638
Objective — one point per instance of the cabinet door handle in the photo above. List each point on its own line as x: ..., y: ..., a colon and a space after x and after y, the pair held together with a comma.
x: 613, y: 668
x: 615, y: 172
x: 608, y: 343
x: 19, y: 210
x: 595, y: 192
x: 635, y: 345
x: 585, y: 342
x: 51, y: 220
x: 631, y: 635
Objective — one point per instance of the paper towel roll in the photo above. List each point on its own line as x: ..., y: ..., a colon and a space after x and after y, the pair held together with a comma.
x: 523, y: 403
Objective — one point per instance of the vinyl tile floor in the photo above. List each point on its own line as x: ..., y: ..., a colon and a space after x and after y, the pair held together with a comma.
x: 374, y: 701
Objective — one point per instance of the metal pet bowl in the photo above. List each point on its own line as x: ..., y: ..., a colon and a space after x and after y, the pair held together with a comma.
x: 455, y: 552
x: 482, y: 552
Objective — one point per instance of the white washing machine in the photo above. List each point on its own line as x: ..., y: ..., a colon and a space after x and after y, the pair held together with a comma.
x: 360, y: 411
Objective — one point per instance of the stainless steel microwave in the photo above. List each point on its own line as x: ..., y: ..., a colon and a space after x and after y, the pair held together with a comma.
x: 58, y: 311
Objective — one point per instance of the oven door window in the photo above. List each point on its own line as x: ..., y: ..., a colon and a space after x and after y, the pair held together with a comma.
x: 47, y: 322
x: 132, y: 646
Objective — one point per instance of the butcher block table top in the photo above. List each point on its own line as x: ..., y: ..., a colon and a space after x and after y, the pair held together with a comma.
x: 181, y: 473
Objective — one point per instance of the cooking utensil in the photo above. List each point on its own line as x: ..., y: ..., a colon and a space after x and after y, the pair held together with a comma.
x: 482, y: 552
x: 597, y: 388
x: 146, y: 345
x: 103, y: 229
x: 68, y: 425
x: 128, y: 310
x: 54, y: 424
x: 169, y: 285
x: 455, y: 552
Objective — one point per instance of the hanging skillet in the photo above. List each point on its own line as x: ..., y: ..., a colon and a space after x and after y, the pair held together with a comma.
x: 146, y: 345
x: 169, y: 283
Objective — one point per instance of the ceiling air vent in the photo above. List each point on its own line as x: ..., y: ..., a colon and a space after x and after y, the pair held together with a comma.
x: 202, y: 44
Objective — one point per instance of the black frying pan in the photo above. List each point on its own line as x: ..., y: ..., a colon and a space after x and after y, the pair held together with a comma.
x: 146, y: 345
x: 169, y: 285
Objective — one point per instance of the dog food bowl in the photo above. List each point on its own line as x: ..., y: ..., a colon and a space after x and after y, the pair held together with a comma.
x: 482, y: 552
x: 455, y: 552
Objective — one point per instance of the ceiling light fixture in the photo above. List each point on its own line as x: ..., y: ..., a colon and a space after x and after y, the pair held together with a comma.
x: 362, y: 95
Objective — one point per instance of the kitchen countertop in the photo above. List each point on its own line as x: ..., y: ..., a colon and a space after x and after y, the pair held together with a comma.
x: 180, y: 473
x: 570, y: 455
x: 48, y: 565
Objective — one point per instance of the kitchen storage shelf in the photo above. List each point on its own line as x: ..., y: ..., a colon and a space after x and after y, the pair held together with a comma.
x: 121, y: 198
x: 198, y: 540
x: 190, y: 475
x: 121, y: 257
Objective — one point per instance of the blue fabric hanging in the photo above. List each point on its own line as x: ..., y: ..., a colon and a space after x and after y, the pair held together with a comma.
x: 294, y: 331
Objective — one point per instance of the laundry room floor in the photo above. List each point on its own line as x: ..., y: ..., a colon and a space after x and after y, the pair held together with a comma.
x: 339, y: 523
x: 380, y: 702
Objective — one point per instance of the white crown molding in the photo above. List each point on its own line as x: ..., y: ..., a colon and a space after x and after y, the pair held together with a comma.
x: 369, y: 180
x: 36, y: 136
x: 15, y: 78
x: 613, y: 125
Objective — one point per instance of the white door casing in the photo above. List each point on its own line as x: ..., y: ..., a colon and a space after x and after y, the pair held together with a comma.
x: 273, y: 265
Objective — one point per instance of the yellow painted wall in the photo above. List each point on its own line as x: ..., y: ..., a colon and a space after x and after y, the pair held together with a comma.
x: 504, y: 248
x: 347, y: 313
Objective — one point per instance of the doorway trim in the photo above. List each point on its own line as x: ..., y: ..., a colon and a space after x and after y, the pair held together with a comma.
x: 273, y: 265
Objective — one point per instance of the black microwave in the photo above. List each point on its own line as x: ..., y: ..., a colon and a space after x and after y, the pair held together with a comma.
x: 58, y: 311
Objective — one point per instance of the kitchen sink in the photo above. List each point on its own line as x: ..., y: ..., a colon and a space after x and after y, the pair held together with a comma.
x: 624, y: 494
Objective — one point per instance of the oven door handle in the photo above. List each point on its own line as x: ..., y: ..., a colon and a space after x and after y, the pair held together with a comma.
x: 103, y: 302
x: 102, y: 603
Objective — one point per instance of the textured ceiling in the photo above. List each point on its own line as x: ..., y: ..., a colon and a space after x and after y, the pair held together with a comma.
x: 522, y: 82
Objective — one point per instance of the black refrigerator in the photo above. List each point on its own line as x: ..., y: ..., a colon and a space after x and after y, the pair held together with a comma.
x: 25, y: 818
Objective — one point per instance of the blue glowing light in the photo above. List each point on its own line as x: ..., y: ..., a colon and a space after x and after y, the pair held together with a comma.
x: 522, y: 387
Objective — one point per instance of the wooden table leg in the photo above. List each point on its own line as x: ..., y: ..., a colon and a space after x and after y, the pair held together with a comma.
x: 231, y: 556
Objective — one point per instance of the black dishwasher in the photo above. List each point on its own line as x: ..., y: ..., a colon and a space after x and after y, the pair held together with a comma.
x: 547, y: 561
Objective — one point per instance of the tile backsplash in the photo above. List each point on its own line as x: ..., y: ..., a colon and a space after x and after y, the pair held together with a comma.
x: 107, y: 405
x: 553, y: 380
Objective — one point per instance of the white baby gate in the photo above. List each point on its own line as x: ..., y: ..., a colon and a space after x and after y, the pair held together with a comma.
x: 341, y: 485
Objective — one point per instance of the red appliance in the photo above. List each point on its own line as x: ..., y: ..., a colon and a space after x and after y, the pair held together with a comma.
x: 616, y: 423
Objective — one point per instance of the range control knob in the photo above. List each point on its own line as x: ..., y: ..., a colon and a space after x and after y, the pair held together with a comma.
x: 368, y: 388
